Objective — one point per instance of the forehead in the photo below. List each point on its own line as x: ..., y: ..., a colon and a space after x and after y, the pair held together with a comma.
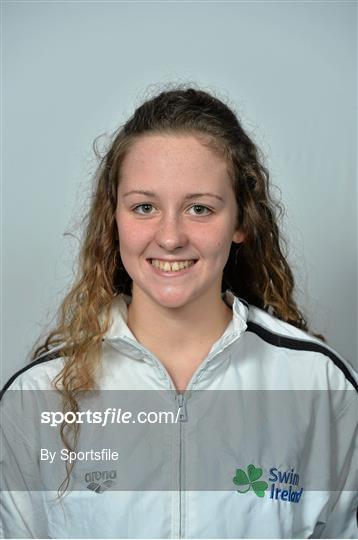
x: 182, y: 158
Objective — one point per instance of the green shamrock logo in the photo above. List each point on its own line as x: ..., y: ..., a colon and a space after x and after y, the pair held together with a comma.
x: 251, y: 479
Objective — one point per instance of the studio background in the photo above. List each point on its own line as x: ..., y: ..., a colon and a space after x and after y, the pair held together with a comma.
x: 74, y: 70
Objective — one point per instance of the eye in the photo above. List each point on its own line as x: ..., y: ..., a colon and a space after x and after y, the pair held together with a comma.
x: 146, y: 207
x: 201, y: 210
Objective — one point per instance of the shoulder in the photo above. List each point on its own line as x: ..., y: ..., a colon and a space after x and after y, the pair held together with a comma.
x: 298, y: 351
x: 37, y: 375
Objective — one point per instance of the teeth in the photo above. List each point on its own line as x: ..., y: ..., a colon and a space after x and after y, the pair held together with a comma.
x: 175, y: 266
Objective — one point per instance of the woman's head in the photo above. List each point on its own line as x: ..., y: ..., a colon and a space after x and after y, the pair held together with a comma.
x: 189, y: 112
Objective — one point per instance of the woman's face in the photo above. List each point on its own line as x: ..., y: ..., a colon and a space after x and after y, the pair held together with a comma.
x: 176, y: 205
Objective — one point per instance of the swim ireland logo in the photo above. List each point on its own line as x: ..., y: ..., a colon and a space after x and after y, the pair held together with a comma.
x: 251, y: 479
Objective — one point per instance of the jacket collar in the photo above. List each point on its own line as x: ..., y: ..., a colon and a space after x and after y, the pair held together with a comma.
x: 120, y: 335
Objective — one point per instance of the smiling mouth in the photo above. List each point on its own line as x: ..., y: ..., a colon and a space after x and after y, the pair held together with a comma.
x: 172, y: 266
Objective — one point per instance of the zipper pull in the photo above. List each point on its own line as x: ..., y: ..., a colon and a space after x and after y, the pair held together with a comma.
x: 182, y: 414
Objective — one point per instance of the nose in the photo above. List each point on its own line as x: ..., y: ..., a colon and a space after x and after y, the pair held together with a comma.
x: 170, y: 234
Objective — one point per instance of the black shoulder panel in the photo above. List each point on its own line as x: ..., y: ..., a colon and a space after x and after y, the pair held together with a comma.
x: 300, y: 345
x: 46, y: 358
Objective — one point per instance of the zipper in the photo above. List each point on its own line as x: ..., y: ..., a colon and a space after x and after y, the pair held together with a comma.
x: 182, y: 417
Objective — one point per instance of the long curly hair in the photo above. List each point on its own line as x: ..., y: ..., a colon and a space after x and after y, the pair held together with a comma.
x: 256, y: 270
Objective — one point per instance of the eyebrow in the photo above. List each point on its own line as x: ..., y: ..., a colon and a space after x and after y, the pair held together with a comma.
x: 187, y: 197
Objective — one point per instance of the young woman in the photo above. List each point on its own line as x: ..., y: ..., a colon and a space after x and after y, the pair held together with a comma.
x: 184, y: 302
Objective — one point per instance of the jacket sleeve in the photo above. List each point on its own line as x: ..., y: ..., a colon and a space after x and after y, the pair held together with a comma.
x: 22, y: 515
x: 341, y: 511
x: 22, y: 509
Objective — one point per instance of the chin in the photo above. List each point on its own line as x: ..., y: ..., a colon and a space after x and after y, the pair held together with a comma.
x: 170, y: 299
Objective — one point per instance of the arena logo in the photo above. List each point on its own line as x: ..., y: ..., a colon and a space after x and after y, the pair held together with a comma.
x: 100, y: 481
x: 251, y: 480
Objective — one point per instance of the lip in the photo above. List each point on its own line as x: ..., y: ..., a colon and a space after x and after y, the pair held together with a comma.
x: 171, y: 260
x: 171, y: 274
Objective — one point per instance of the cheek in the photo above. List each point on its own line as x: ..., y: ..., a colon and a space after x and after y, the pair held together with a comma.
x: 124, y: 234
x: 123, y: 226
x: 131, y: 234
x: 218, y: 241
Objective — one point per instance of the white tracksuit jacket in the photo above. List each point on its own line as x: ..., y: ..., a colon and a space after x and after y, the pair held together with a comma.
x: 264, y: 443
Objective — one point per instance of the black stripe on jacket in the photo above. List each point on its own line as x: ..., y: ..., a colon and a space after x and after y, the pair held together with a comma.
x: 300, y: 345
x: 46, y: 358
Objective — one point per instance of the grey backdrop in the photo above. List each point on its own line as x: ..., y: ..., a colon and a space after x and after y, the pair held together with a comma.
x: 73, y: 70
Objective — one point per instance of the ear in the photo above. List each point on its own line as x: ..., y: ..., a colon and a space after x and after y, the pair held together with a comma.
x: 238, y: 237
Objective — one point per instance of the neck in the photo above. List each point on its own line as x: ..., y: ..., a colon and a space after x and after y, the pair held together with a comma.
x: 203, y: 320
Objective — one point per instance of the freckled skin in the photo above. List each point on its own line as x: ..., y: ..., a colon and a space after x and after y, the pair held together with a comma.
x: 173, y: 166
